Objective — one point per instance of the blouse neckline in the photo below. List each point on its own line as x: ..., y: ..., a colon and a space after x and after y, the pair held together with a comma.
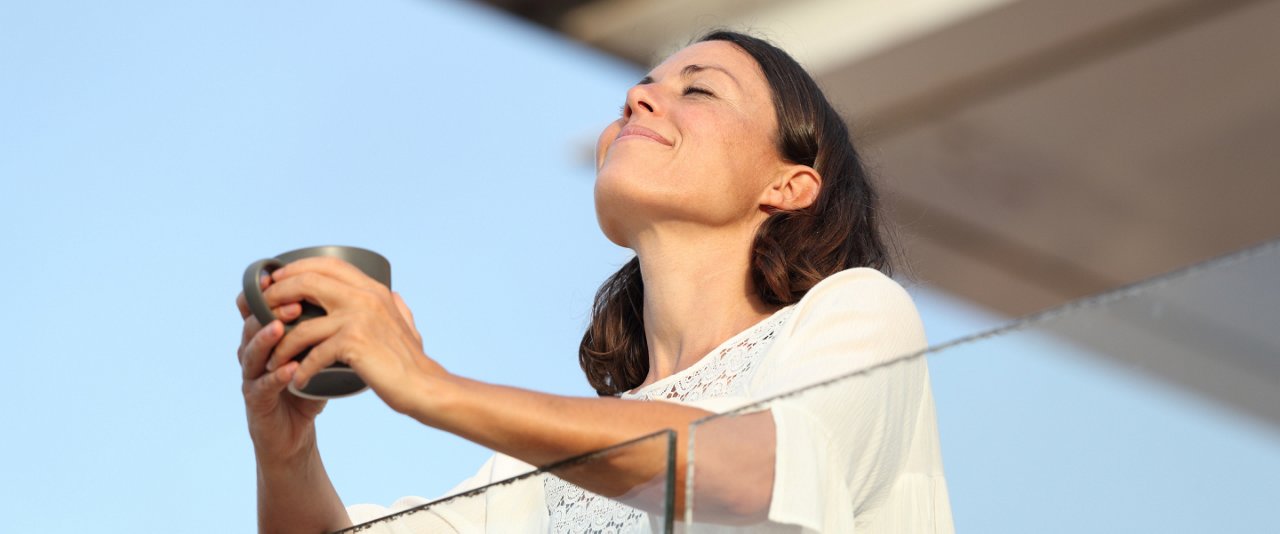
x: 706, y: 358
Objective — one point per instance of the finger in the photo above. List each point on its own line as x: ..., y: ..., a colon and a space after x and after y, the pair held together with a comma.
x: 330, y: 266
x: 305, y: 334
x: 316, y: 288
x: 266, y: 388
x: 321, y: 356
x: 251, y: 327
x: 255, y: 352
x: 243, y: 304
x: 286, y: 313
x: 407, y: 314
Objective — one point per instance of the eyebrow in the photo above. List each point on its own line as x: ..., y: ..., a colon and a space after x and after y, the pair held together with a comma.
x: 690, y: 70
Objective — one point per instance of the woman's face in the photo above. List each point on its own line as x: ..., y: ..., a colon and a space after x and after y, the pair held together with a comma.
x: 695, y: 144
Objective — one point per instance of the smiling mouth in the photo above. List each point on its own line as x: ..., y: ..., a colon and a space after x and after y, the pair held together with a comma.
x: 640, y: 132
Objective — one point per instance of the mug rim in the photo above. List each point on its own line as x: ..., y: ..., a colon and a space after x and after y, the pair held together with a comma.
x: 327, y: 248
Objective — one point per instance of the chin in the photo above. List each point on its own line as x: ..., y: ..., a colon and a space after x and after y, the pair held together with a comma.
x: 612, y: 233
x: 612, y: 213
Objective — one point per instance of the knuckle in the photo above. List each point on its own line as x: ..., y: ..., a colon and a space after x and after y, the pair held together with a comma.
x: 350, y: 357
x: 354, y: 336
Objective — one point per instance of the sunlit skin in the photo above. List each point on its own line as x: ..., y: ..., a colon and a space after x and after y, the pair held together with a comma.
x: 685, y: 187
x: 711, y: 103
x: 689, y: 205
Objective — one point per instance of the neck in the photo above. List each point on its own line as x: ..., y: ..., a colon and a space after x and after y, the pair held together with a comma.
x: 697, y: 294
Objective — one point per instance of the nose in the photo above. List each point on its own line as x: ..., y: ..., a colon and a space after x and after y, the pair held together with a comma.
x: 640, y: 98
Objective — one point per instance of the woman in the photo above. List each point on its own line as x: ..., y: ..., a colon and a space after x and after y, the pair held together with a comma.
x: 757, y: 248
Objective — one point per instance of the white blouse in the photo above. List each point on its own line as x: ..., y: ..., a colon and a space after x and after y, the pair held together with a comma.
x: 861, y: 455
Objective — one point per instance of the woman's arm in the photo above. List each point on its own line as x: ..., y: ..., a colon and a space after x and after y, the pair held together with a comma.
x: 294, y: 492
x: 297, y: 496
x: 369, y: 328
x: 541, y: 429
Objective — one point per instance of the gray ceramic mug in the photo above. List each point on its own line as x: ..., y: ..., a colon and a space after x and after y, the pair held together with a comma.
x: 337, y: 380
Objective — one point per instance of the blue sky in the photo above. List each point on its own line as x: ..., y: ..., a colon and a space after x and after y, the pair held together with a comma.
x: 151, y: 150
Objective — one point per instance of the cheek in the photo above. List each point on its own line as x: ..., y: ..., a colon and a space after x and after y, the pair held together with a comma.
x: 738, y: 164
x: 731, y: 152
x: 606, y: 137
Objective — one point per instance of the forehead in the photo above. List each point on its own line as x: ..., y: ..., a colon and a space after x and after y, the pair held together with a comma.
x: 722, y: 54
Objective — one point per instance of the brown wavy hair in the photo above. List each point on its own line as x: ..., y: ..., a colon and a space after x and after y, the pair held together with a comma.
x: 793, y: 250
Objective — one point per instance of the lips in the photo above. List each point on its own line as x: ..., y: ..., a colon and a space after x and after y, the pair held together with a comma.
x: 641, y: 131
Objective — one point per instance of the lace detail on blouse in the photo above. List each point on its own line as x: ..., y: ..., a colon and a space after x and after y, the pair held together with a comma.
x: 578, y: 511
x: 724, y: 373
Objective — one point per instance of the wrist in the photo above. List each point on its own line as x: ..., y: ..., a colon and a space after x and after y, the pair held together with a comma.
x: 299, y: 458
x: 444, y: 394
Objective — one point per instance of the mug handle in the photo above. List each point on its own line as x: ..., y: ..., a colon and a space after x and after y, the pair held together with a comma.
x: 253, y: 291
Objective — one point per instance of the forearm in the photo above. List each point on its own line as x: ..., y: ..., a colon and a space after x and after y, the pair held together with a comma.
x: 297, y: 496
x: 540, y: 428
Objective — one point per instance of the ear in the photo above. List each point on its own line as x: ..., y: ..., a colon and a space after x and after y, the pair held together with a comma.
x: 795, y: 188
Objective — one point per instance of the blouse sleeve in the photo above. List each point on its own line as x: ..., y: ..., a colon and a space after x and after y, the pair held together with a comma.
x: 464, y: 514
x: 841, y: 446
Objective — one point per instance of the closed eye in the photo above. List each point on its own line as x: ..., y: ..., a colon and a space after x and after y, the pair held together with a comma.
x: 693, y: 89
x: 622, y: 111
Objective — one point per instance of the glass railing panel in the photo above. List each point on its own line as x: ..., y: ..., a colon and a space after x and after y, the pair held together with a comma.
x: 1153, y: 408
x: 627, y: 488
x: 811, y: 459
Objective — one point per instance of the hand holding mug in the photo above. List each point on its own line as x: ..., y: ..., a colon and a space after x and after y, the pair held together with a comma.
x: 281, y: 424
x: 337, y: 380
x: 365, y: 331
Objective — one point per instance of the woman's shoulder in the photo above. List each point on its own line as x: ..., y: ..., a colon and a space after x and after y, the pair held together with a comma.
x: 853, y: 320
x: 857, y: 317
x: 858, y: 288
